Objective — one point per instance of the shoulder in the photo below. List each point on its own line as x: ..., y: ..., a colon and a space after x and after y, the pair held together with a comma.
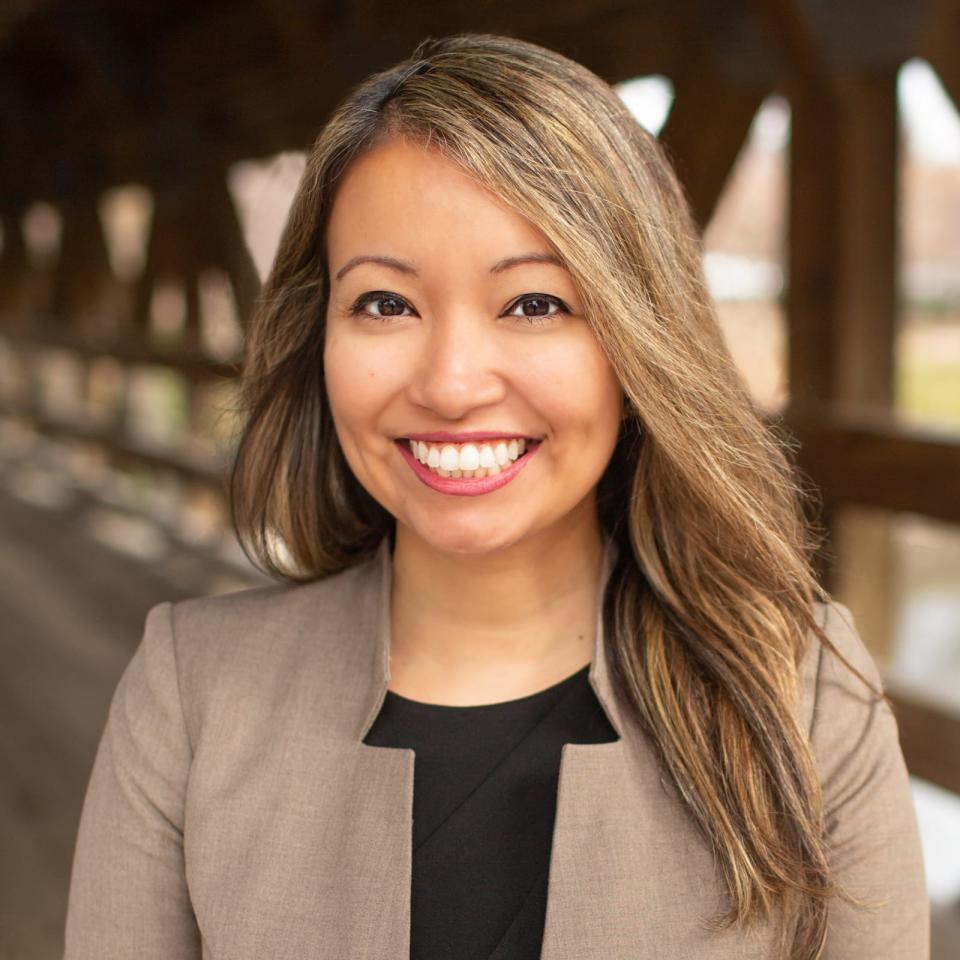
x: 255, y: 645
x: 282, y: 608
x: 825, y: 682
x: 871, y: 829
x: 851, y: 728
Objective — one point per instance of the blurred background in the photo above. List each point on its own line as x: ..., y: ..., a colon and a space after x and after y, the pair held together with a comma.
x: 148, y: 157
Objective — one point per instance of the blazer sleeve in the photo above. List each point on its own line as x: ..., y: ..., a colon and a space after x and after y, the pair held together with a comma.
x: 128, y: 893
x: 874, y: 845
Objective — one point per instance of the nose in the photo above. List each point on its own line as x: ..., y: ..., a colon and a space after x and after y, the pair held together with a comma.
x: 460, y: 367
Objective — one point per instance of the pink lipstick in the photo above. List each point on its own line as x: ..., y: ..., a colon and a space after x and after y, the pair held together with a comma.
x: 465, y: 486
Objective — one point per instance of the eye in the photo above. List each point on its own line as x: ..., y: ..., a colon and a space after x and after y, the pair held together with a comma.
x: 388, y: 305
x: 537, y: 303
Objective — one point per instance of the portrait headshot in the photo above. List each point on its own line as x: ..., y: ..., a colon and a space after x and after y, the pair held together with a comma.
x: 479, y: 483
x: 547, y: 671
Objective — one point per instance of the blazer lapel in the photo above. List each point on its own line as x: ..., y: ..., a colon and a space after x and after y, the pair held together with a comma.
x: 630, y: 877
x: 595, y: 904
x: 298, y: 836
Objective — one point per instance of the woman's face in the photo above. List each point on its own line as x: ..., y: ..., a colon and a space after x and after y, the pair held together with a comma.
x: 464, y: 325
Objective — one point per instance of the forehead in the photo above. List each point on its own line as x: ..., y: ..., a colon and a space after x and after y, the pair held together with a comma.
x: 404, y: 193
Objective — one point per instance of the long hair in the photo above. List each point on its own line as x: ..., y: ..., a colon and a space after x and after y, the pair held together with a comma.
x: 711, y: 604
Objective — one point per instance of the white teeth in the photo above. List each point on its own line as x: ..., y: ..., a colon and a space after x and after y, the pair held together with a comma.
x: 469, y: 457
x: 449, y: 458
x: 469, y: 460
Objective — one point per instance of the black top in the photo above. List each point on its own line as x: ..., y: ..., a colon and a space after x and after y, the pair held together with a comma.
x: 484, y: 801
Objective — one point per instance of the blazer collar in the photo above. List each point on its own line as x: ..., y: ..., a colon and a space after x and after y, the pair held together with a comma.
x: 380, y: 573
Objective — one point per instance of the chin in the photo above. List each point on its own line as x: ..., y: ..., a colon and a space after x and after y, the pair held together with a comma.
x: 464, y: 538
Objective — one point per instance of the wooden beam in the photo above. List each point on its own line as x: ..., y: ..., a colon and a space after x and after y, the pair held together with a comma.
x: 704, y: 132
x: 195, y: 226
x: 193, y: 366
x: 867, y: 311
x: 929, y: 735
x: 941, y: 46
x: 616, y: 40
x: 814, y: 218
x: 14, y: 269
x: 881, y: 464
x: 793, y: 34
x: 208, y: 471
x: 83, y: 273
x: 229, y: 249
x: 814, y: 230
x: 842, y: 301
x: 170, y: 247
x: 191, y: 339
x: 867, y: 296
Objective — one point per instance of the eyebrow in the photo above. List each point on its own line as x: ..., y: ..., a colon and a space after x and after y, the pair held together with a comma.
x: 404, y: 266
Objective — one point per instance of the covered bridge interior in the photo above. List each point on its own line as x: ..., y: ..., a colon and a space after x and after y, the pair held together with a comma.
x: 125, y: 262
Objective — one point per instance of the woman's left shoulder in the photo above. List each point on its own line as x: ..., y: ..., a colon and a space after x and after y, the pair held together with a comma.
x: 870, y: 823
x: 825, y: 682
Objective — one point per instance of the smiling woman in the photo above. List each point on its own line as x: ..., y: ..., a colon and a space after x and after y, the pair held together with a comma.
x: 547, y: 672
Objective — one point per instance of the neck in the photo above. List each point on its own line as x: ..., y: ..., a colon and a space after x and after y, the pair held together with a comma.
x: 481, y: 627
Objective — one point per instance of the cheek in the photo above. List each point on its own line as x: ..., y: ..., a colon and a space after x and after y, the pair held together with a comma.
x: 355, y: 381
x: 335, y: 366
x: 575, y: 387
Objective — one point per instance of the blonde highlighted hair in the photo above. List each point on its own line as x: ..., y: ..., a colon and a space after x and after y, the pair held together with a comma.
x: 710, y: 607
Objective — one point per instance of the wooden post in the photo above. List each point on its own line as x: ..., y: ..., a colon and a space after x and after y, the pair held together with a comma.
x: 868, y: 309
x: 704, y: 131
x: 842, y: 304
x: 867, y: 274
x: 13, y: 273
x: 232, y: 252
x: 83, y: 275
x: 841, y: 297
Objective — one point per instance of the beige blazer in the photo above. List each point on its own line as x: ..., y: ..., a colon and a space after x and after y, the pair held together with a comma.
x: 233, y: 812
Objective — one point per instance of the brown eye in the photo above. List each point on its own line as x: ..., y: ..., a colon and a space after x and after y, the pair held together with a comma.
x: 536, y: 307
x: 388, y: 304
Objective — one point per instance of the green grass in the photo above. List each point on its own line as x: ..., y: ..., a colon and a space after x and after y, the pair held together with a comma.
x: 929, y: 392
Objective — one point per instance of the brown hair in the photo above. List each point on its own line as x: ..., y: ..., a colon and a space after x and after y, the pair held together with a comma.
x: 710, y: 606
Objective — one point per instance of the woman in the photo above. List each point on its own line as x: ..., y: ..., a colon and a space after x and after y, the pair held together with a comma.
x: 548, y: 673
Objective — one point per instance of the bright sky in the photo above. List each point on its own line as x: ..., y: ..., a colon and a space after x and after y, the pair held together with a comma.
x: 930, y: 119
x: 649, y: 99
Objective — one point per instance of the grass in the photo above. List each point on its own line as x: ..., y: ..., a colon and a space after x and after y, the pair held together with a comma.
x: 929, y: 391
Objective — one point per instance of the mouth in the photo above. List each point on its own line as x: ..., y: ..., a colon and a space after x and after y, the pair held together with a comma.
x: 468, y: 468
x: 516, y: 446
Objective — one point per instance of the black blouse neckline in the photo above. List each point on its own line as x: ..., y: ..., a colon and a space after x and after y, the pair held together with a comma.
x: 484, y: 802
x: 531, y: 699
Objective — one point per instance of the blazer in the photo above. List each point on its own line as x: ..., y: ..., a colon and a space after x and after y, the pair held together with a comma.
x: 234, y: 813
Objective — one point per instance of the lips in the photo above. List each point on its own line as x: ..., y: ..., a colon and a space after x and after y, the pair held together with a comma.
x: 466, y: 486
